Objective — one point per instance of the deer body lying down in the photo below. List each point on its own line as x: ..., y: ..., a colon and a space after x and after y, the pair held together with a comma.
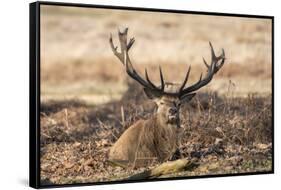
x: 158, y: 137
x: 148, y: 142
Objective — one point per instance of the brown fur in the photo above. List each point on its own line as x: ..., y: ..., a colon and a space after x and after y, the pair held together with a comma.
x: 146, y: 141
x: 154, y: 139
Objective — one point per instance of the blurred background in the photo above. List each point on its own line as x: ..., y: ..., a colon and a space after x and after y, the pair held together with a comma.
x: 77, y: 61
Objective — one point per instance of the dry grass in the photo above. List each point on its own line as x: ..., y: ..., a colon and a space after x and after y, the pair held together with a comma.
x: 110, y: 70
x: 227, y: 135
x: 102, y: 80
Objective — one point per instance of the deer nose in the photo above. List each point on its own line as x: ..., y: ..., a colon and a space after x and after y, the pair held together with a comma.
x: 173, y: 110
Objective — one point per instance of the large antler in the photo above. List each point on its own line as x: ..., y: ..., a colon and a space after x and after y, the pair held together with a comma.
x: 212, y: 69
x: 123, y: 56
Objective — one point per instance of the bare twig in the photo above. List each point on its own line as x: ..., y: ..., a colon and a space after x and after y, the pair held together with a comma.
x: 166, y: 168
x: 123, y: 116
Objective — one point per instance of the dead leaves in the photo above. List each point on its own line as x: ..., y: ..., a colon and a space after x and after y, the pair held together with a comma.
x: 230, y: 138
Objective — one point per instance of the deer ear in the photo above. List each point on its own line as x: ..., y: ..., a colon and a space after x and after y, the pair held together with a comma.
x: 187, y: 97
x: 152, y: 94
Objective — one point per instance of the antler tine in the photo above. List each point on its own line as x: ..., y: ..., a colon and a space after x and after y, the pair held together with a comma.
x: 222, y: 57
x: 185, y: 79
x: 123, y: 56
x: 206, y: 64
x: 148, y: 80
x: 212, y: 69
x: 162, y: 79
x: 212, y: 51
x: 123, y: 40
x: 131, y: 42
x: 120, y: 56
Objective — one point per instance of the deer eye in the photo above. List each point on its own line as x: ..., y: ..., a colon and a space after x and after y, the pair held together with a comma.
x: 161, y: 103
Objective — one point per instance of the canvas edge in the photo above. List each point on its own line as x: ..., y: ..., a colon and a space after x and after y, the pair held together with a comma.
x: 34, y: 95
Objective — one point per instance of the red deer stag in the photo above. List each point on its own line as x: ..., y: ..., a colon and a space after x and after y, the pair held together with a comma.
x: 156, y: 138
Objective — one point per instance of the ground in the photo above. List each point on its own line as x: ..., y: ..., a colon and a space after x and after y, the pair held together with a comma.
x: 227, y: 135
x: 88, y: 101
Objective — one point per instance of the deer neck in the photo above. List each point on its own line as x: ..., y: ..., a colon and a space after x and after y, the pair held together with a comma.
x: 162, y: 124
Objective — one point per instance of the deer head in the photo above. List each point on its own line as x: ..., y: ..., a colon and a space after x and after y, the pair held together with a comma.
x: 168, y: 96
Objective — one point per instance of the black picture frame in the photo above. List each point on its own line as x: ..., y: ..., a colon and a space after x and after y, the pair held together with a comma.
x: 34, y: 90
